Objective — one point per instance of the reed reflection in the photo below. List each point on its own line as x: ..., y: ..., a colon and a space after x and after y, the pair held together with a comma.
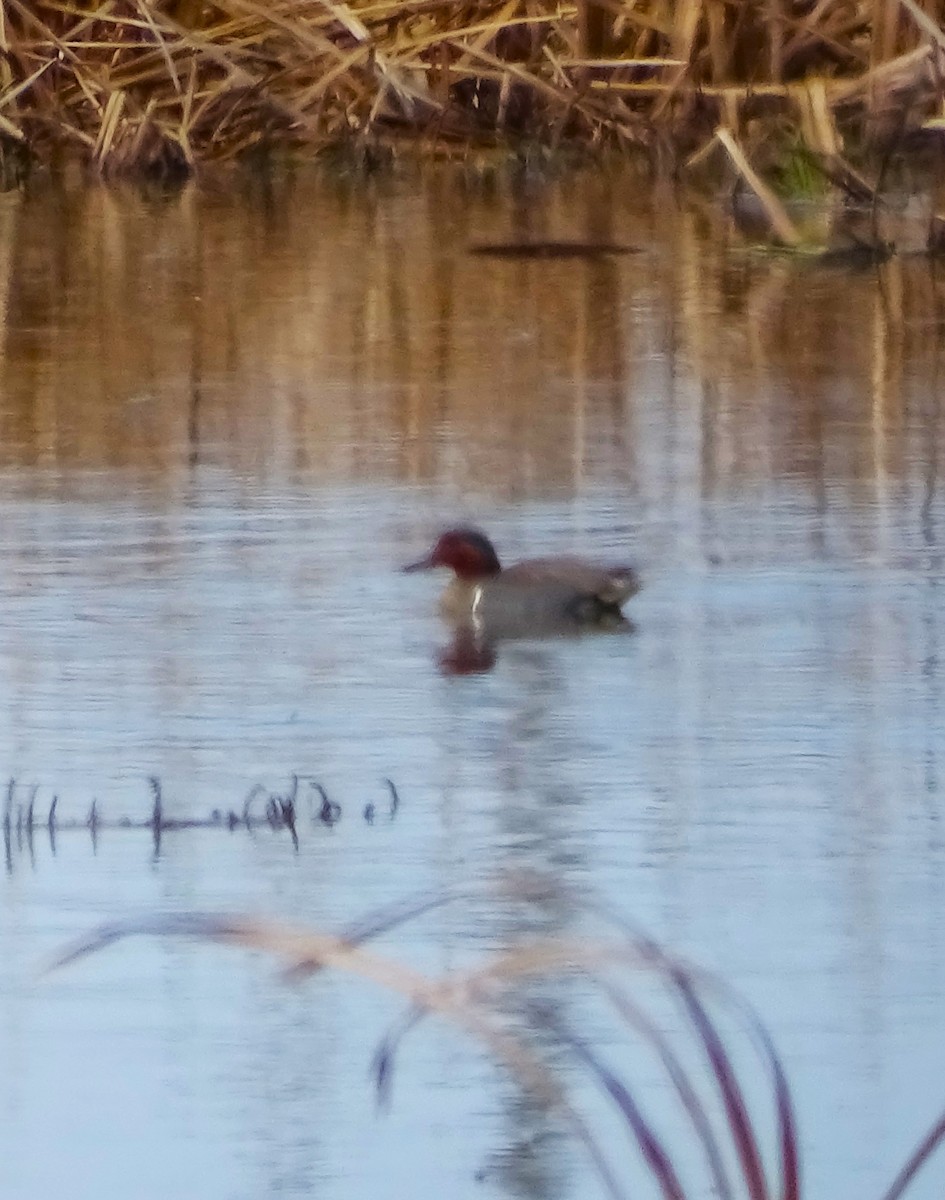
x: 312, y: 329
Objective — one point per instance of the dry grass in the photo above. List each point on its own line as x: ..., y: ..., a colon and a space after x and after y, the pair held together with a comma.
x: 166, y: 84
x: 718, y: 1122
x: 483, y: 1001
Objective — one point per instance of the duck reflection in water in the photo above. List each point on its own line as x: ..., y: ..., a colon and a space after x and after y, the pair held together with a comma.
x: 539, y: 597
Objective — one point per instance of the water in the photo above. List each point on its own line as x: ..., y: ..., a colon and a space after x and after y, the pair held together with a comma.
x: 227, y: 418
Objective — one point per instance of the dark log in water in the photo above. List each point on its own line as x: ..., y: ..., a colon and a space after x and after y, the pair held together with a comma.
x: 549, y: 249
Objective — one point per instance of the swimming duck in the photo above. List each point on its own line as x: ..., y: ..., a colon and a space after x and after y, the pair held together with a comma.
x: 538, y: 592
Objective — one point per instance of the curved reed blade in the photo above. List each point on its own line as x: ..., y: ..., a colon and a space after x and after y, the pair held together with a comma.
x: 476, y: 1002
x: 552, y: 958
x: 733, y: 1098
x: 385, y: 1055
x: 635, y: 1018
x: 301, y: 948
x: 196, y: 925
x: 373, y: 926
x: 681, y: 974
x: 929, y: 1144
x: 654, y: 1152
x: 384, y: 1061
x: 784, y: 1107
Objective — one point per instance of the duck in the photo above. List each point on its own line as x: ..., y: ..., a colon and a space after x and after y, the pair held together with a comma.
x: 535, y: 594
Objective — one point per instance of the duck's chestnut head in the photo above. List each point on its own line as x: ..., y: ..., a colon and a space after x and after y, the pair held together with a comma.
x: 467, y: 552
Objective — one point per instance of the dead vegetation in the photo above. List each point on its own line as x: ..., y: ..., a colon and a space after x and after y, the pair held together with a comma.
x: 164, y: 85
x: 306, y: 803
x: 733, y: 1112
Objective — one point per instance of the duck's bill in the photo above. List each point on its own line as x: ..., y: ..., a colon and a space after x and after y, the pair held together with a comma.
x: 422, y: 564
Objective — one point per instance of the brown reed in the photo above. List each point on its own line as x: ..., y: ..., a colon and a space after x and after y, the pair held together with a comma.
x: 717, y: 1111
x: 713, y: 1100
x: 163, y: 85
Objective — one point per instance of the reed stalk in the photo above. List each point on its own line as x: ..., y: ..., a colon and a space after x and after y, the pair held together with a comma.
x: 717, y: 1110
x: 165, y: 85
